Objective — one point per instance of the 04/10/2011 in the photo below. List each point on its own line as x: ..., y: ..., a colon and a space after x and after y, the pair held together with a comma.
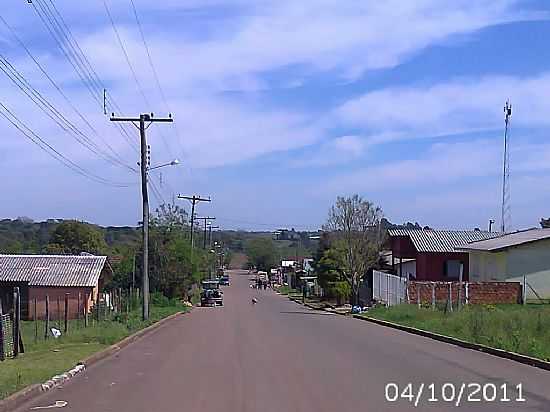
x: 454, y: 393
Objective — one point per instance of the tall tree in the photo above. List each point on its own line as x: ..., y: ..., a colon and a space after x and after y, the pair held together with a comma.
x: 354, y: 223
x: 261, y: 253
x: 73, y: 237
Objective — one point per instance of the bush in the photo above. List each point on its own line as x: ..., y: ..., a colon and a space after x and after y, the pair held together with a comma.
x: 158, y: 299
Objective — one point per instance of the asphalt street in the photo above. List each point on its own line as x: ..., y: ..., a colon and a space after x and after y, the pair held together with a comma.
x: 277, y: 356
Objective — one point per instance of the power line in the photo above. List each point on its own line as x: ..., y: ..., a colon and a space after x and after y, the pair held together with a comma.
x: 85, y: 71
x: 44, y: 145
x: 19, y: 80
x: 155, y: 74
x: 129, y: 63
x: 58, y: 88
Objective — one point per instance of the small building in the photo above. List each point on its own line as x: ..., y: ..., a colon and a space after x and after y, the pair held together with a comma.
x: 511, y: 257
x: 427, y: 254
x: 52, y: 276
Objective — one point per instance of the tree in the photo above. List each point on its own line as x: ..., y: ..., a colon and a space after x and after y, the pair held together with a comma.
x: 545, y: 223
x: 354, y: 223
x: 72, y: 237
x: 261, y: 253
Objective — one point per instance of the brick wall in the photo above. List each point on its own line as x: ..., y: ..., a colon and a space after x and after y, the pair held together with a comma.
x: 476, y: 292
x: 54, y: 293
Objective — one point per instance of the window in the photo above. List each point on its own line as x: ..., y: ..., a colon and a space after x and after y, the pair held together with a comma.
x: 452, y: 268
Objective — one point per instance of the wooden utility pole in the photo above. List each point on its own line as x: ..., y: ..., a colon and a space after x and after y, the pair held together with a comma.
x: 206, y: 218
x: 144, y: 164
x: 193, y: 199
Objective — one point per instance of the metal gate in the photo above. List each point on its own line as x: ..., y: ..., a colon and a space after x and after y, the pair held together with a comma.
x: 390, y: 289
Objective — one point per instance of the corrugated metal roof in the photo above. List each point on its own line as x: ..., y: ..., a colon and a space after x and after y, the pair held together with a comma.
x: 508, y: 240
x: 52, y: 270
x: 441, y: 241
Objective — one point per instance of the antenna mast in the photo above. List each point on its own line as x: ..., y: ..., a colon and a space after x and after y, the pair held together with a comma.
x: 506, y: 212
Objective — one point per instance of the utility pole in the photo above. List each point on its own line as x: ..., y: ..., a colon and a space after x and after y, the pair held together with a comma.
x: 193, y: 199
x: 210, y: 227
x: 144, y: 165
x: 205, y: 219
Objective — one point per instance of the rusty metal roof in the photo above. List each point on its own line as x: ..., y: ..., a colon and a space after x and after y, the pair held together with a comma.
x: 441, y: 241
x: 52, y: 270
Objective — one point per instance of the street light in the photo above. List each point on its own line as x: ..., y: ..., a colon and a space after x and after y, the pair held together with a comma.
x: 172, y: 163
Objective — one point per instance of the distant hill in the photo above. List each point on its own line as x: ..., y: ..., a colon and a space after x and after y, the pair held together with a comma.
x: 25, y: 236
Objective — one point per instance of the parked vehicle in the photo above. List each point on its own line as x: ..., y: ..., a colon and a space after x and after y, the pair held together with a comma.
x: 224, y: 280
x: 211, y: 294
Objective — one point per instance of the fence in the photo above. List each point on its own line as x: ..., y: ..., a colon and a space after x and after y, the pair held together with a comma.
x: 455, y: 293
x: 390, y: 289
x: 58, y: 318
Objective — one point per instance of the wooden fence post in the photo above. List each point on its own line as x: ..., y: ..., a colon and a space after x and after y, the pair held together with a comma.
x: 450, y: 297
x: 86, y: 309
x: 433, y: 296
x: 2, y: 343
x: 16, y: 321
x: 78, y: 310
x: 418, y: 285
x: 58, y: 314
x: 35, y: 316
x: 47, y: 317
x: 66, y: 328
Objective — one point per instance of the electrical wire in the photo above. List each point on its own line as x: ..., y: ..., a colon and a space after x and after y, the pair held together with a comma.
x: 128, y: 62
x: 155, y: 75
x: 85, y: 71
x: 19, y: 80
x: 44, y: 145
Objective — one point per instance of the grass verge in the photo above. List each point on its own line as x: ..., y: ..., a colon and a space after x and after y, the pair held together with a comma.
x: 45, y: 358
x: 515, y: 328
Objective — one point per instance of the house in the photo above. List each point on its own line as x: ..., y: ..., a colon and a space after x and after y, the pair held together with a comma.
x: 427, y: 254
x: 52, y: 276
x: 511, y: 257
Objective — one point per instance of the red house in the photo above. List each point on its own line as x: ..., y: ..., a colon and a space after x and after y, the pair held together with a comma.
x: 426, y: 254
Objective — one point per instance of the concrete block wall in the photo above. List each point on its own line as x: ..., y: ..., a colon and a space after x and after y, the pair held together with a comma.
x: 476, y: 292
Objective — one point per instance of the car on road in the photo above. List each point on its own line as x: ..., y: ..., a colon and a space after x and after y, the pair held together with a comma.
x: 224, y: 280
x: 211, y: 294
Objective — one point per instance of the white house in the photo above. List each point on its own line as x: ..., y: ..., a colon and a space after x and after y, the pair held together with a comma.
x: 511, y: 257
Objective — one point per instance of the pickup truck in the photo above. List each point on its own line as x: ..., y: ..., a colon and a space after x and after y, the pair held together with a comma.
x: 211, y: 294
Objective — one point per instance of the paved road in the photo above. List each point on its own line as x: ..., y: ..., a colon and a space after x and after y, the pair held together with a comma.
x: 277, y: 356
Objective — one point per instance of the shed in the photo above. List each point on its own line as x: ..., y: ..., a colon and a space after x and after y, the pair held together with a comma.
x: 512, y: 256
x: 52, y: 276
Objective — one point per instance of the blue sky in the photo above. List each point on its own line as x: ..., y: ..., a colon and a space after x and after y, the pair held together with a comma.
x: 280, y: 106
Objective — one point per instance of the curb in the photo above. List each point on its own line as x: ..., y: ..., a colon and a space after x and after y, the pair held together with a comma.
x: 299, y: 301
x: 501, y: 353
x: 98, y: 356
x: 17, y: 399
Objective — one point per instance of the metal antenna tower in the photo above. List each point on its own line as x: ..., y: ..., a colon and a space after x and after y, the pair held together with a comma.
x: 506, y: 211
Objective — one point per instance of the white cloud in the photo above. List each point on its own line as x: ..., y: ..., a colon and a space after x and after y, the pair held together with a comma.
x: 443, y: 164
x: 451, y: 107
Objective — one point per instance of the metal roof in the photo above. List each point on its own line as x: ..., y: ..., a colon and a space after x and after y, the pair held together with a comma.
x: 508, y: 240
x: 441, y: 241
x: 52, y: 270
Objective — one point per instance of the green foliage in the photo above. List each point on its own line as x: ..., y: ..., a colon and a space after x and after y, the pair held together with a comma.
x: 72, y: 238
x: 262, y: 254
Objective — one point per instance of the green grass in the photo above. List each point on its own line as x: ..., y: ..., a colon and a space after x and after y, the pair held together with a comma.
x: 287, y: 290
x: 45, y: 358
x: 516, y: 328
